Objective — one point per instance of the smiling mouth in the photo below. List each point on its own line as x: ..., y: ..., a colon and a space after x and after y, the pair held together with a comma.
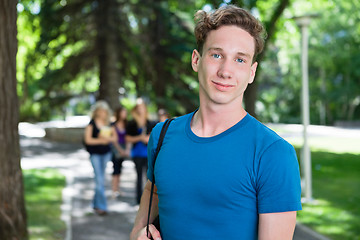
x: 222, y: 85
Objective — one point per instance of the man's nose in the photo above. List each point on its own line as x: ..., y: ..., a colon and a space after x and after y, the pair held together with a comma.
x: 225, y: 70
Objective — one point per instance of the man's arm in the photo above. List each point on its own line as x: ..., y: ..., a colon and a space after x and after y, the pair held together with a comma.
x: 277, y: 226
x: 139, y: 230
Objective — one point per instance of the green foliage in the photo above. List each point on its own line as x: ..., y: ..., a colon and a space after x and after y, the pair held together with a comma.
x: 336, y: 74
x: 168, y: 29
x: 43, y: 200
x: 64, y: 60
x: 333, y: 54
x: 61, y: 47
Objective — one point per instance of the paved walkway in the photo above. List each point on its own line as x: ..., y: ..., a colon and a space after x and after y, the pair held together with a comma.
x: 82, y: 223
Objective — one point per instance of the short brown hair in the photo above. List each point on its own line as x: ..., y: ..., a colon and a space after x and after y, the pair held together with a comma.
x: 228, y: 15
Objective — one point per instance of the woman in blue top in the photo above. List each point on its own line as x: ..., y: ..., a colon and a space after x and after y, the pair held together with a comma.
x: 98, y: 137
x: 137, y: 132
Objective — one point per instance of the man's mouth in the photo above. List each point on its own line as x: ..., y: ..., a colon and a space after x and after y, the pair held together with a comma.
x: 222, y: 86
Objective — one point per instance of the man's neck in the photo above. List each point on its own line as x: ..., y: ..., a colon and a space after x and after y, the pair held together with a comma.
x: 213, y: 119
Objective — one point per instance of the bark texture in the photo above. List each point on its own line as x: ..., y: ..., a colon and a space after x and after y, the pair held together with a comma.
x: 107, y: 47
x: 250, y: 95
x: 12, y: 206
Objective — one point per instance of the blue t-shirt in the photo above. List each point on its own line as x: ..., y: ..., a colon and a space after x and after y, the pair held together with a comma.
x: 215, y: 187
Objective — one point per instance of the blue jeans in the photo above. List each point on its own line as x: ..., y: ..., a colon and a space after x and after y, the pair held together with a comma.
x: 99, y: 162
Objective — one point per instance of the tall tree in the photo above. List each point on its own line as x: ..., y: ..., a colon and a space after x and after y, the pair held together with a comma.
x: 334, y: 76
x: 167, y: 41
x: 144, y: 46
x: 333, y: 60
x: 79, y: 43
x: 12, y: 205
x: 107, y: 50
x: 270, y: 22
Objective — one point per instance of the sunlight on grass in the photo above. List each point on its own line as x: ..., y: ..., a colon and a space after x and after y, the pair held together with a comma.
x: 335, y: 211
x: 43, y: 198
x: 325, y: 218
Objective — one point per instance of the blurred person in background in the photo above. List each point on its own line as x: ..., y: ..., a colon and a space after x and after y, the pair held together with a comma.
x: 162, y: 115
x: 120, y: 149
x: 137, y: 132
x: 98, y: 138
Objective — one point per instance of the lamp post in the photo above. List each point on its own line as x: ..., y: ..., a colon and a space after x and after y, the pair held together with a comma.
x: 303, y: 22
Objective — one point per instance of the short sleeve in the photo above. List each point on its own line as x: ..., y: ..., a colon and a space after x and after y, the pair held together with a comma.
x: 278, y: 179
x: 151, y: 149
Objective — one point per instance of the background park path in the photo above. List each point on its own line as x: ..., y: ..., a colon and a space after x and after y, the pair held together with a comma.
x: 73, y: 161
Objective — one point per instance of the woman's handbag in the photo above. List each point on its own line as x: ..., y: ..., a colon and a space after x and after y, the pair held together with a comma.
x: 156, y: 222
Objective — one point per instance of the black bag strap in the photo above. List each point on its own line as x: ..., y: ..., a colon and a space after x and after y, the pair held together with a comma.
x: 159, y: 144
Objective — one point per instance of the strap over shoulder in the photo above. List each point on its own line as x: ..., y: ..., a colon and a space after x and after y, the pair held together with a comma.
x: 161, y: 139
x: 162, y: 136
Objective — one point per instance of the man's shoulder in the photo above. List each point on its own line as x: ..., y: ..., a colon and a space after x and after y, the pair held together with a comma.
x: 263, y: 133
x: 269, y: 144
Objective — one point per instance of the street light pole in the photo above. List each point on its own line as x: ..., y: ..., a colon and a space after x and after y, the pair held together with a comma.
x: 303, y: 22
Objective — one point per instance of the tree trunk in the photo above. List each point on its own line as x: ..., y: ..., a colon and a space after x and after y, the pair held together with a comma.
x: 106, y: 45
x: 12, y: 205
x: 250, y: 94
x: 160, y: 75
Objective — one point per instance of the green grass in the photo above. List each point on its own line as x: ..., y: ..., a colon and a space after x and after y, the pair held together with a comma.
x: 336, y: 190
x: 335, y: 211
x: 43, y: 199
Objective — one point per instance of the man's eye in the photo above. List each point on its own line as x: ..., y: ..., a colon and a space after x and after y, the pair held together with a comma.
x: 216, y: 55
x: 239, y: 60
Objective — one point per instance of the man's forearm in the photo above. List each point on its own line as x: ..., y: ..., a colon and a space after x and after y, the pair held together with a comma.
x: 141, y: 217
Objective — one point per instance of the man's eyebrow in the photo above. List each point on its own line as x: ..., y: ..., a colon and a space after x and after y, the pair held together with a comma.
x: 244, y: 54
x: 247, y: 55
x: 214, y: 49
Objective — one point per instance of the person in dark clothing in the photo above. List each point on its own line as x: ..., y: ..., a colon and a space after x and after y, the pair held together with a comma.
x: 137, y: 132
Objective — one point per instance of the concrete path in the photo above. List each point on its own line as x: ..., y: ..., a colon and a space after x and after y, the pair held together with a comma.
x: 72, y: 160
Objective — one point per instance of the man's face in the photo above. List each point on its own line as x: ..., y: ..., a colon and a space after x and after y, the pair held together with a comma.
x: 225, y: 67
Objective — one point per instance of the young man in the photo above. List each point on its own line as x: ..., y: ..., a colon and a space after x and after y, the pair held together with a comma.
x: 220, y: 173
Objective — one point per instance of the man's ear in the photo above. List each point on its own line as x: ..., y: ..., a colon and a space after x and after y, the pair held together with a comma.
x: 195, y: 58
x: 252, y: 72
